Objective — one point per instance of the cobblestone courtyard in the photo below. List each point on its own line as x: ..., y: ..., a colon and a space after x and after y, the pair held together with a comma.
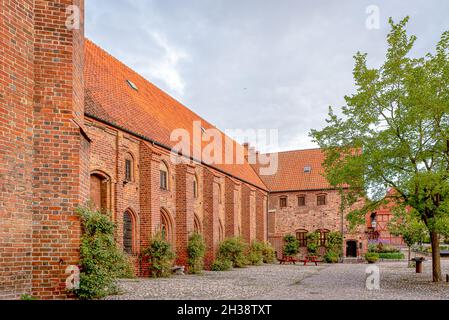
x: 277, y: 282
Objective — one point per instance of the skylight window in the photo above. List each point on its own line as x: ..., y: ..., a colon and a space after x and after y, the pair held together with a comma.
x: 132, y: 85
x: 307, y: 169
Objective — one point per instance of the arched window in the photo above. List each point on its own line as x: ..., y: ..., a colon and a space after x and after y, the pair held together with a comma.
x: 195, y: 187
x: 129, y: 168
x: 220, y: 231
x: 301, y: 235
x: 128, y: 232
x: 197, y: 225
x: 323, y: 237
x: 166, y: 227
x: 164, y: 176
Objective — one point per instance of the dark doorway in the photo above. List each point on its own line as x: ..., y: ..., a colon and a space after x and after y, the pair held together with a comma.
x: 351, y: 249
x: 99, y: 192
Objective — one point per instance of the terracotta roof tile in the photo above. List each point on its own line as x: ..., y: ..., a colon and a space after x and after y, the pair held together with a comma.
x: 290, y: 175
x: 148, y: 111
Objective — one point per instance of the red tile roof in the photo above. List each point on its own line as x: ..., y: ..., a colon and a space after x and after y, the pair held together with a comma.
x: 290, y: 175
x: 148, y: 112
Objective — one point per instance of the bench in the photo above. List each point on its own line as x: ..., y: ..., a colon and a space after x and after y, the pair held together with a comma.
x: 285, y: 260
x: 444, y: 253
x: 313, y: 259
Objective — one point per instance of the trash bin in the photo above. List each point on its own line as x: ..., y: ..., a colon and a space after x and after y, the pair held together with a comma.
x: 418, y: 262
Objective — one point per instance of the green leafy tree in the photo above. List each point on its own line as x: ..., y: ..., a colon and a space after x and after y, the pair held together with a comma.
x: 408, y: 225
x: 394, y: 133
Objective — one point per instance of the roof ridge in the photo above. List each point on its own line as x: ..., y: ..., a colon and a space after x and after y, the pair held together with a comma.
x: 294, y: 150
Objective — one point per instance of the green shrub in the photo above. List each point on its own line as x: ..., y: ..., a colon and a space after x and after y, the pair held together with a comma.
x: 196, y: 249
x: 391, y: 255
x: 255, y: 254
x: 386, y: 248
x: 331, y: 257
x: 268, y: 253
x: 312, y: 243
x: 291, y: 246
x: 234, y: 249
x: 221, y: 265
x: 101, y: 261
x: 27, y: 297
x: 371, y: 257
x: 160, y: 257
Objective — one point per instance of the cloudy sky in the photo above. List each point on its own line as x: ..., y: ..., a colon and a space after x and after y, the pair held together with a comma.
x: 271, y: 64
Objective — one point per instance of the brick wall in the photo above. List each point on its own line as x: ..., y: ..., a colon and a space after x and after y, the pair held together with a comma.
x: 185, y: 174
x: 210, y: 219
x: 16, y: 146
x: 60, y: 150
x: 311, y: 217
x: 51, y: 153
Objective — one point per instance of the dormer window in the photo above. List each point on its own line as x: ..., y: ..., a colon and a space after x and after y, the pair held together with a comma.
x: 307, y: 169
x: 132, y: 85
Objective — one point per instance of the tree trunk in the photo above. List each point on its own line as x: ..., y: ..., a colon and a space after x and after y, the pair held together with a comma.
x: 409, y: 255
x: 436, y: 261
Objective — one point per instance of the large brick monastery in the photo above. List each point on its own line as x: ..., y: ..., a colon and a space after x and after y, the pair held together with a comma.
x: 76, y: 125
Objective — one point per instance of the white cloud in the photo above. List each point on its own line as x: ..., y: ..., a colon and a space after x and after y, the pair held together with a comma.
x: 279, y: 66
x: 165, y: 68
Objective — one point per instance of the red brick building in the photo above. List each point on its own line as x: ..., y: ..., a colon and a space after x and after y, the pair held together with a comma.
x: 377, y: 225
x: 302, y: 201
x: 77, y: 125
x: 132, y: 175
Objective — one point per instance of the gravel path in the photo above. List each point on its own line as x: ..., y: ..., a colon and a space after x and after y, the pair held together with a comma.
x: 277, y: 282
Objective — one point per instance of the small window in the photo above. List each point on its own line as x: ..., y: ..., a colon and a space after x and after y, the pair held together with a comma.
x: 301, y: 201
x: 321, y: 200
x: 164, y: 176
x: 283, y: 202
x: 128, y: 170
x: 307, y: 169
x: 164, y: 180
x: 301, y: 235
